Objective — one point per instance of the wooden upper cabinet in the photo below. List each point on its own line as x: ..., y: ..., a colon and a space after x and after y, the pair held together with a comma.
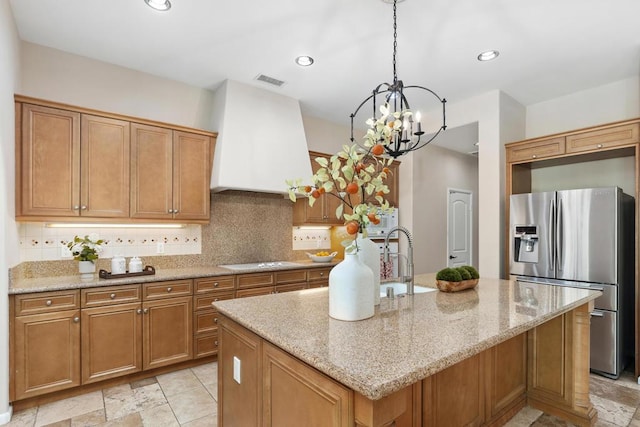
x: 191, y: 175
x: 393, y: 182
x: 170, y: 174
x: 535, y: 150
x: 50, y: 162
x: 151, y: 172
x: 603, y: 138
x: 104, y: 167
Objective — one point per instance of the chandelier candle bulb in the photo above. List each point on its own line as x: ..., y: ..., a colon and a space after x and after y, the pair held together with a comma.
x: 419, y: 129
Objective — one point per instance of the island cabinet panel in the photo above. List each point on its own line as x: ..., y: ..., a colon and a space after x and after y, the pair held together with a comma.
x: 47, y: 352
x: 320, y: 400
x: 507, y: 376
x: 456, y: 396
x: 239, y: 402
x: 111, y: 341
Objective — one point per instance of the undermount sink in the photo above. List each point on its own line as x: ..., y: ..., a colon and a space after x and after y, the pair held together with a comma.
x: 261, y: 265
x: 401, y: 288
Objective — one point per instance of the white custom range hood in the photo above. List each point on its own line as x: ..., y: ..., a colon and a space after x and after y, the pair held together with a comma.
x: 261, y: 140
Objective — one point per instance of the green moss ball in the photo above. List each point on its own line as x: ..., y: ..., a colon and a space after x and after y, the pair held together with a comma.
x: 449, y: 275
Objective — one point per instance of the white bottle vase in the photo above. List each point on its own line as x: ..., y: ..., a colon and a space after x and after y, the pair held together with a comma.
x: 369, y: 253
x: 351, y: 290
x: 86, y: 270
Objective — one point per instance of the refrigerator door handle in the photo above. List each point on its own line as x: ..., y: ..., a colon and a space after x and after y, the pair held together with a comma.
x: 550, y: 233
x: 559, y: 236
x: 597, y: 314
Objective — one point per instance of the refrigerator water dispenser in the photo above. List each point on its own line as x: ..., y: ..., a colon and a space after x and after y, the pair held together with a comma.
x: 526, y: 244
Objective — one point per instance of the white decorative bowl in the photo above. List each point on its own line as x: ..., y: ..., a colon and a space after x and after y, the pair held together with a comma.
x: 316, y: 258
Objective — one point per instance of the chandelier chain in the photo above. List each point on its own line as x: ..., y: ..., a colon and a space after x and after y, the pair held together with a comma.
x: 395, y: 41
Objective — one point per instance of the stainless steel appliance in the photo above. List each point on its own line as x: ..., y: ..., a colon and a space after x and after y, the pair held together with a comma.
x: 582, y: 238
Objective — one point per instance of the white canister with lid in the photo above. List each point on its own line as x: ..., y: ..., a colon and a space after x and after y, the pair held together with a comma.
x: 135, y: 265
x: 118, y: 265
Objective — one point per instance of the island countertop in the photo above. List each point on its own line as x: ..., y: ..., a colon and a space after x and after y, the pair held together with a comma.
x: 410, y: 337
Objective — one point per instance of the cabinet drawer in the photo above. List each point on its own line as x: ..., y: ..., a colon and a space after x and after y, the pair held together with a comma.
x: 319, y: 284
x: 96, y: 297
x: 205, y: 345
x: 291, y: 276
x: 204, y: 301
x: 291, y: 287
x: 318, y: 274
x: 45, y: 302
x: 255, y: 280
x: 205, y: 321
x: 159, y: 290
x: 536, y: 150
x: 214, y: 284
x: 243, y: 293
x: 603, y: 138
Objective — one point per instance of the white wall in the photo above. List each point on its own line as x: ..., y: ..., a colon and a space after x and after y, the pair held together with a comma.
x: 324, y: 136
x: 9, y: 257
x: 435, y: 170
x: 612, y: 102
x: 63, y: 77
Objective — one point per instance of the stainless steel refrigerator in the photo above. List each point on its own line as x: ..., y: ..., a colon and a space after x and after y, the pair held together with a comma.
x: 582, y: 238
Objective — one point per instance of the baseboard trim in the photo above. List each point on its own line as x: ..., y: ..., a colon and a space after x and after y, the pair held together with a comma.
x: 5, y: 417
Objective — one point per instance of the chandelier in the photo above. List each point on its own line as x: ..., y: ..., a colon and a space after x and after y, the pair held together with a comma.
x: 408, y: 136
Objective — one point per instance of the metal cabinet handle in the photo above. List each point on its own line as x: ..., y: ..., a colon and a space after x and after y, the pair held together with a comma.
x: 83, y: 207
x: 215, y: 300
x: 145, y: 311
x: 599, y: 145
x: 534, y: 157
x: 139, y: 311
x: 169, y: 289
x: 48, y: 303
x: 76, y: 319
x: 170, y: 211
x: 112, y: 296
x: 215, y: 343
x: 215, y: 285
x: 175, y: 211
x: 76, y: 207
x: 215, y: 320
x: 321, y: 273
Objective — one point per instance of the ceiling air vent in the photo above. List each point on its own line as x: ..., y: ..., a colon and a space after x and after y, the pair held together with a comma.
x: 270, y: 80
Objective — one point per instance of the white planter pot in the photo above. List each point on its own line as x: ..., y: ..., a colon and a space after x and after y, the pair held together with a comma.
x: 351, y: 290
x: 369, y: 254
x: 87, y: 269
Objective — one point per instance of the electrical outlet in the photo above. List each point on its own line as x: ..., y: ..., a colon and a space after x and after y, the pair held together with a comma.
x: 160, y: 248
x: 236, y: 369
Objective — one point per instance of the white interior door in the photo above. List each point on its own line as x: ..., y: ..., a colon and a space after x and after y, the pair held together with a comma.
x: 459, y: 220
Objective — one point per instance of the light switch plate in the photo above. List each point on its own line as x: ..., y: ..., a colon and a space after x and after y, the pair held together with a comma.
x: 236, y: 369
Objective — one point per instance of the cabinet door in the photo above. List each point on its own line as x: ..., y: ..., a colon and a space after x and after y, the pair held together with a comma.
x: 393, y: 182
x: 47, y: 353
x: 319, y: 400
x: 167, y: 331
x: 111, y: 341
x: 50, y: 169
x: 104, y: 167
x: 151, y: 172
x: 191, y: 175
x: 508, y: 375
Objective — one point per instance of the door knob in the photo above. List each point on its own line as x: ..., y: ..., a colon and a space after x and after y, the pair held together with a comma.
x: 452, y: 257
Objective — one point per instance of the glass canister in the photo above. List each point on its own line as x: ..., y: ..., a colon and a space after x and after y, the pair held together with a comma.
x: 118, y: 265
x: 135, y: 265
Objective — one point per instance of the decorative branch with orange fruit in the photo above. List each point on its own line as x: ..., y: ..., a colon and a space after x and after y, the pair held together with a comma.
x: 356, y: 176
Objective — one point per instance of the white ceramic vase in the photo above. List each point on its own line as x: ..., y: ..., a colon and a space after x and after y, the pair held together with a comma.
x: 351, y: 290
x: 87, y: 269
x: 369, y: 253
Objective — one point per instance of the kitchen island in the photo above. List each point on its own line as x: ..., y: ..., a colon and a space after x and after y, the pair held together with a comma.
x: 469, y: 358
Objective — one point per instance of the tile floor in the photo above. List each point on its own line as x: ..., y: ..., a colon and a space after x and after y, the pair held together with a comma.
x: 188, y: 398
x: 182, y: 398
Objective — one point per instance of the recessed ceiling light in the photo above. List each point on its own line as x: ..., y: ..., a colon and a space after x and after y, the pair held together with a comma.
x: 488, y: 55
x: 162, y: 5
x: 304, y: 60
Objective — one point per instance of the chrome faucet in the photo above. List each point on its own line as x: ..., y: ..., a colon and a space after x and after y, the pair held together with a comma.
x: 408, y: 279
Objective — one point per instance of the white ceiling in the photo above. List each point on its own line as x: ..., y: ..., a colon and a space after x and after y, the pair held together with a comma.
x: 548, y: 48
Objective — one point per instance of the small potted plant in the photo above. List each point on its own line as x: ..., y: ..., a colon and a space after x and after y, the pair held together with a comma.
x: 457, y: 279
x: 86, y: 250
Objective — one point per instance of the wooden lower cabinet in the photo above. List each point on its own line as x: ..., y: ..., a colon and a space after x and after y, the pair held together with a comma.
x: 319, y: 400
x: 47, y: 353
x: 111, y: 341
x: 167, y: 331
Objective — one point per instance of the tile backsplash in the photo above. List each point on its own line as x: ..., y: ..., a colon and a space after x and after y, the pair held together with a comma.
x: 40, y: 243
x: 311, y: 239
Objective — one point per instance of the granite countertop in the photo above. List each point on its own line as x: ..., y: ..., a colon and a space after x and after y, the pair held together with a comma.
x: 59, y: 283
x: 409, y: 338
